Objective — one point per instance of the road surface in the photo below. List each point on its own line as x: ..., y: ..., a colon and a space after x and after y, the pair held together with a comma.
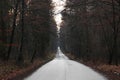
x: 61, y: 68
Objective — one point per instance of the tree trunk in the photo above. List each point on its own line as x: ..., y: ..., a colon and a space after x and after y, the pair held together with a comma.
x: 20, y: 56
x: 13, y: 30
x: 3, y: 38
x: 115, y: 34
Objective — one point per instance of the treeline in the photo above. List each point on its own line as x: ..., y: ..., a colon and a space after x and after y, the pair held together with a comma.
x: 91, y: 30
x: 26, y: 28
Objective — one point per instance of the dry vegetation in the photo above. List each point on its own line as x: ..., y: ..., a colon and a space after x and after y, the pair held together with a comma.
x: 9, y: 71
x: 112, y: 72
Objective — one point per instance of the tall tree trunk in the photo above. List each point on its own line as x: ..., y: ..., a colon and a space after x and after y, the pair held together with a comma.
x: 13, y: 30
x: 3, y: 38
x: 86, y: 23
x: 115, y: 34
x: 20, y: 56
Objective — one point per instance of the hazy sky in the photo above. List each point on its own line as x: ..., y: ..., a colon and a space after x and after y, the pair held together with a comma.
x: 59, y: 6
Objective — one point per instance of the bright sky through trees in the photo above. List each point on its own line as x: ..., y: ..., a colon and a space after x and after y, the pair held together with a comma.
x: 58, y: 7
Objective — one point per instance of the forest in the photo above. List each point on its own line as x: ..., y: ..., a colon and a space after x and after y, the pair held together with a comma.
x: 89, y: 33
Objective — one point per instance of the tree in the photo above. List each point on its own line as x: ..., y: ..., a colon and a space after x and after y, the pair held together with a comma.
x: 4, y: 24
x: 13, y: 27
x: 93, y: 28
x: 20, y: 59
x: 113, y: 19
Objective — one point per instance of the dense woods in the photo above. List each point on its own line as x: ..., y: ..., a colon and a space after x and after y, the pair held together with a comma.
x: 91, y: 30
x: 26, y: 28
